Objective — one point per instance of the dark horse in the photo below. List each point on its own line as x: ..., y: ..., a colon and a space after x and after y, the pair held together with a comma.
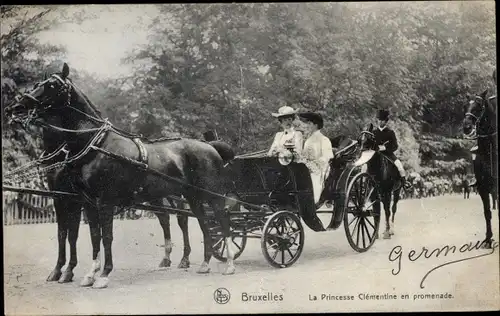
x: 480, y: 124
x: 68, y: 210
x: 111, y: 167
x: 385, y: 174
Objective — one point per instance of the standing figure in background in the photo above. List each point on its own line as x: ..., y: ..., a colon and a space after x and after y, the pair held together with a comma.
x: 466, y: 188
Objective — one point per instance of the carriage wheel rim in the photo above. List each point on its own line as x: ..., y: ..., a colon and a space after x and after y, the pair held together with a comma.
x: 364, y: 230
x: 286, y: 242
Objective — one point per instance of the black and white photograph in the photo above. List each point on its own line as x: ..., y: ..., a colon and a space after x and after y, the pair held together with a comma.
x: 245, y: 158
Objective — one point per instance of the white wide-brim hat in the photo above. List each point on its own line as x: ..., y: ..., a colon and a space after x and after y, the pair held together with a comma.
x: 284, y: 111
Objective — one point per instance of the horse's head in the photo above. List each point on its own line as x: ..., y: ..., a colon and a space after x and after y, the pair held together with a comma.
x: 479, y: 116
x: 48, y: 95
x: 366, y: 139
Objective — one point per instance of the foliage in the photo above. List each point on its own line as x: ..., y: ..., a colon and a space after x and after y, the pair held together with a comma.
x: 228, y: 66
x: 24, y: 60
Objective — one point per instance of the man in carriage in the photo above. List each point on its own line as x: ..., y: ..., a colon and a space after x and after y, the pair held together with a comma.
x: 387, y: 143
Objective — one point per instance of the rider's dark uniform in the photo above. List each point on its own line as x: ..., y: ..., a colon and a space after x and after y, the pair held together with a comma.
x: 386, y: 137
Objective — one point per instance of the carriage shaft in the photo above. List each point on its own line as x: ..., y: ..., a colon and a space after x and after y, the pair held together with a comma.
x: 40, y: 192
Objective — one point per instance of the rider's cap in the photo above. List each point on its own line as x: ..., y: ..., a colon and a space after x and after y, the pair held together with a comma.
x: 383, y: 115
x: 284, y: 111
x: 316, y: 118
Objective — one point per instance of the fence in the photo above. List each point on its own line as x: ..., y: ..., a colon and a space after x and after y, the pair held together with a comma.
x: 27, y: 209
x: 23, y: 208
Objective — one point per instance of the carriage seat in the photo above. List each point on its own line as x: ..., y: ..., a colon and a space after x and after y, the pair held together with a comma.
x: 343, y: 149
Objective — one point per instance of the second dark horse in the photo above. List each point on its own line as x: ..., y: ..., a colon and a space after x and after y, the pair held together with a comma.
x: 480, y: 124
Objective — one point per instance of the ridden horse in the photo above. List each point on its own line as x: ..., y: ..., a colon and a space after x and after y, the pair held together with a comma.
x: 480, y: 124
x: 385, y: 174
x: 111, y: 168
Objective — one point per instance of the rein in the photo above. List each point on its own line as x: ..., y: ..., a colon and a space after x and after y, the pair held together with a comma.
x: 38, y: 161
x: 93, y: 144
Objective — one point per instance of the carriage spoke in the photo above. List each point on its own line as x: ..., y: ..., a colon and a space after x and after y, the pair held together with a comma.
x: 360, y: 190
x: 356, y: 227
x: 272, y: 245
x: 368, y: 196
x: 356, y: 224
x: 357, y: 233
x: 217, y: 243
x: 357, y: 197
x: 237, y: 246
x: 366, y: 208
x: 290, y: 253
x: 370, y: 236
x: 275, y: 253
x: 353, y: 219
x: 293, y: 234
x: 223, y: 246
x: 369, y: 222
x: 363, y: 227
x: 282, y: 256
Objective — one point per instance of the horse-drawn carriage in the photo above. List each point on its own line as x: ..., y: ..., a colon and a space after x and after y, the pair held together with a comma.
x: 271, y: 199
x: 247, y: 197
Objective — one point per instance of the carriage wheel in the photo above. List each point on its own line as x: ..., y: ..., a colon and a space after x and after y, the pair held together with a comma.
x: 282, y: 239
x: 238, y: 236
x: 362, y: 204
x: 238, y: 240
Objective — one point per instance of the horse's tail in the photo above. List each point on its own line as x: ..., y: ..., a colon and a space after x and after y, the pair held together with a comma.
x: 224, y: 150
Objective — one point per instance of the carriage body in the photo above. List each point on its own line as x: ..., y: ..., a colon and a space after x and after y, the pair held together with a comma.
x: 275, y: 198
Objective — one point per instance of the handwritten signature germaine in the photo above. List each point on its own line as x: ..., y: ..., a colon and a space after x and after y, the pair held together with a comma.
x: 396, y: 255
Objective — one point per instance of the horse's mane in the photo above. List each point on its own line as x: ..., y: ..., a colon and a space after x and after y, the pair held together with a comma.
x: 86, y: 98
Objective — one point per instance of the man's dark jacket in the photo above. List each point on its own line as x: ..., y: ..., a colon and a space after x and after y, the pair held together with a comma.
x: 386, y: 135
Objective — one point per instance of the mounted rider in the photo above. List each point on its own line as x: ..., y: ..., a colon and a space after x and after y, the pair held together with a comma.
x: 317, y: 151
x: 387, y: 143
x: 289, y: 141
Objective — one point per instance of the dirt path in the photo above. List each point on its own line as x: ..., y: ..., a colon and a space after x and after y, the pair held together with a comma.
x: 328, y: 266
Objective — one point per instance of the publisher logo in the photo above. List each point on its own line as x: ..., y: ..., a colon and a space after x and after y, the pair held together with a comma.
x: 222, y: 296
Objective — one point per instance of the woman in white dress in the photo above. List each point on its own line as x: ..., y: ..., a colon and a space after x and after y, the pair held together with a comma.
x: 317, y: 151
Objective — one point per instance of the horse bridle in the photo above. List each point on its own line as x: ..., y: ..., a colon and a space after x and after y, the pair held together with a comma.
x: 479, y: 118
x: 67, y: 87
